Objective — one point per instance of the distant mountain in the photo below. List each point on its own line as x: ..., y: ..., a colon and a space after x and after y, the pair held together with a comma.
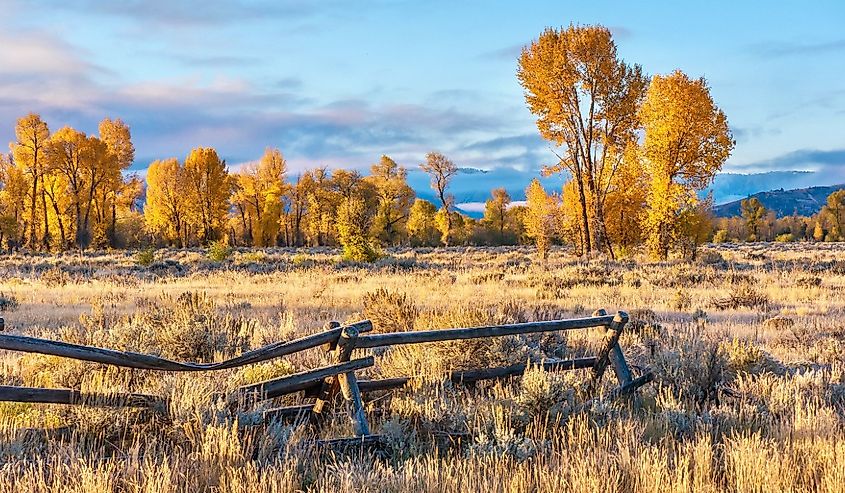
x: 804, y: 201
x: 727, y: 187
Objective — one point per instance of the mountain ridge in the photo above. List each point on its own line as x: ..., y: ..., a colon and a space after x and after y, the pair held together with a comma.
x: 802, y: 201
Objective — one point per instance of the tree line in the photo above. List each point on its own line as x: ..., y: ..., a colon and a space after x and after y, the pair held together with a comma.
x: 756, y: 223
x: 636, y: 150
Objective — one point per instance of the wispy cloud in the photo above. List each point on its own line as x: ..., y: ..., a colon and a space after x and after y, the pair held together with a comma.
x: 187, y: 13
x: 511, y: 52
x: 776, y: 49
x: 829, y: 161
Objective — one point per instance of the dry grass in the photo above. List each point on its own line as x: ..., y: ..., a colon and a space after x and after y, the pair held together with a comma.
x: 748, y: 348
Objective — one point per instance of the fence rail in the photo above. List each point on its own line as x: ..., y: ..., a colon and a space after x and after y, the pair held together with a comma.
x: 339, y: 377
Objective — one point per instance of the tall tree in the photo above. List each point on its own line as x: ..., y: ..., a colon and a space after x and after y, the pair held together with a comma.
x: 84, y: 165
x: 257, y: 196
x: 585, y: 99
x: 496, y: 213
x: 165, y: 209
x: 13, y: 194
x: 322, y: 204
x: 834, y: 212
x: 116, y: 136
x: 394, y: 199
x: 753, y: 213
x: 687, y: 140
x: 208, y: 187
x: 422, y: 230
x: 295, y: 207
x: 31, y: 134
x: 540, y: 217
x: 442, y: 169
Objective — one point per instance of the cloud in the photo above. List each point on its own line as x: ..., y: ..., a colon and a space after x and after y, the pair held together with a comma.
x: 830, y: 163
x: 187, y: 13
x: 509, y: 53
x: 780, y: 49
x: 621, y: 32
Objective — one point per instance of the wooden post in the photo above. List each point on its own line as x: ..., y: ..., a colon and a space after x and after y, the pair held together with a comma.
x: 614, y: 330
x: 617, y: 359
x: 349, y: 383
x: 328, y: 387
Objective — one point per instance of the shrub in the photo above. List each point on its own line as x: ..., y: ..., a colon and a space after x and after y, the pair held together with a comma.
x: 55, y: 276
x: 720, y: 236
x: 145, y: 257
x: 219, y: 250
x: 251, y: 257
x: 681, y: 301
x: 785, y: 238
x: 743, y: 296
x: 8, y: 302
x: 390, y: 312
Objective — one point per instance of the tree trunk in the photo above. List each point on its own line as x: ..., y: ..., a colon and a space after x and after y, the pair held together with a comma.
x: 585, y: 218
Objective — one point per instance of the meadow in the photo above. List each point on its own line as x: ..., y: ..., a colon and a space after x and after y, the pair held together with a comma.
x: 747, y: 344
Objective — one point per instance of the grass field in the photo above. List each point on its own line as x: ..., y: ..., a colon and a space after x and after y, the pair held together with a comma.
x: 747, y: 345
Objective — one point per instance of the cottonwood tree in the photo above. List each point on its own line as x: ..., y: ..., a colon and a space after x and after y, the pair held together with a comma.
x: 540, y: 217
x: 208, y: 186
x: 257, y: 197
x: 86, y: 170
x: 834, y: 213
x: 442, y: 169
x: 31, y: 135
x: 294, y: 210
x: 686, y: 141
x: 585, y: 99
x: 753, y: 212
x: 422, y: 230
x: 322, y: 204
x: 115, y: 134
x: 165, y: 210
x: 496, y: 213
x: 395, y: 197
x: 13, y: 194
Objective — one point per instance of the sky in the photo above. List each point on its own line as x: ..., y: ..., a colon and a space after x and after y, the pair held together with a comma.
x: 341, y: 83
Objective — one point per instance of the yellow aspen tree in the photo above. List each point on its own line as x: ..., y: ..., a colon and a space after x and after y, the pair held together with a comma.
x: 320, y: 211
x: 422, y: 230
x: 208, y: 189
x: 394, y: 196
x: 296, y: 206
x: 165, y: 209
x: 686, y: 141
x: 569, y: 223
x: 441, y: 169
x: 585, y: 98
x: 496, y: 214
x: 84, y: 164
x: 115, y: 134
x: 540, y: 217
x: 272, y: 171
x: 13, y: 194
x: 31, y: 135
x: 626, y: 202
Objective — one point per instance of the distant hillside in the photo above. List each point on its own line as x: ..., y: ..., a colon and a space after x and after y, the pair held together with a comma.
x: 727, y: 187
x: 804, y: 201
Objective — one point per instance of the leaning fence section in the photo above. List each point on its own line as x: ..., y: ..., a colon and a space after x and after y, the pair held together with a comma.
x: 338, y: 378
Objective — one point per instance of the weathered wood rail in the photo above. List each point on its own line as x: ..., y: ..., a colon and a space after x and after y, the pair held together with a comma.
x: 339, y: 377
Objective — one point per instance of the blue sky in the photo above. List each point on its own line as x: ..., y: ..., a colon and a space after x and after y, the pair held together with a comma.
x: 340, y: 83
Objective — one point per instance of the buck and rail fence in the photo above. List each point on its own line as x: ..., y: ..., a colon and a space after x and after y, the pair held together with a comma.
x: 324, y: 384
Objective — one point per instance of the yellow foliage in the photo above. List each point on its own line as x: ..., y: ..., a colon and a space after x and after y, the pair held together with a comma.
x: 208, y: 187
x: 686, y: 141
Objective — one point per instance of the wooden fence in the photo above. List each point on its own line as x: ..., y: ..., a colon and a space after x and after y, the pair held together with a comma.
x: 325, y: 383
